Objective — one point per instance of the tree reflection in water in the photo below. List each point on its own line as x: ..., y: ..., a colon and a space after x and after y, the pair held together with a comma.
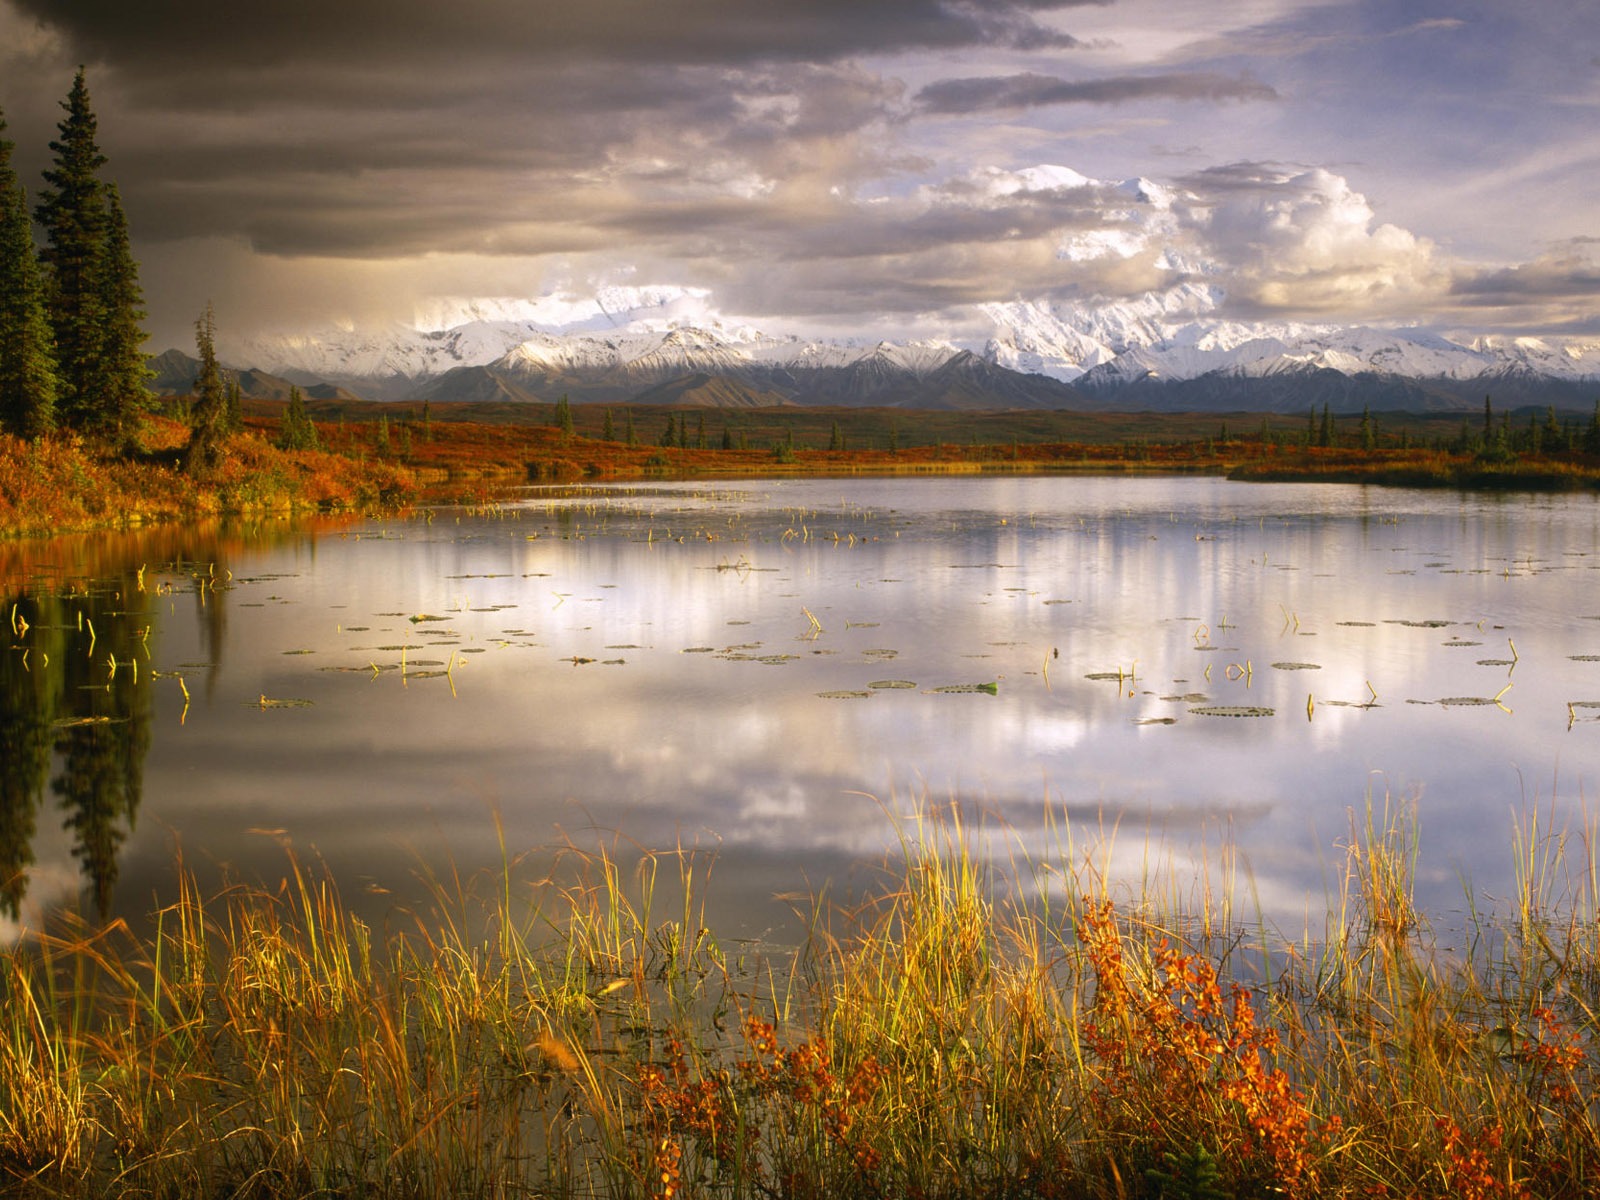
x: 76, y: 681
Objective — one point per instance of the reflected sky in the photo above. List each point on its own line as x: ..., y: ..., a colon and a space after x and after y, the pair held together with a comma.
x: 775, y: 669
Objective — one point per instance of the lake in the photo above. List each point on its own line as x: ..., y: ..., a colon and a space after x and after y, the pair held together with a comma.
x: 1140, y: 671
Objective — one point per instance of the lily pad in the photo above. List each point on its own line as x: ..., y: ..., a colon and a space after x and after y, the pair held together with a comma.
x: 991, y: 689
x: 1158, y: 721
x: 845, y: 695
x: 891, y: 683
x: 1584, y: 657
x: 1232, y: 710
x: 1296, y: 666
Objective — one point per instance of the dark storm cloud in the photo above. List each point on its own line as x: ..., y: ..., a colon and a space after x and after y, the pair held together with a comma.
x: 845, y: 231
x: 1570, y: 272
x: 203, y: 35
x: 1032, y: 91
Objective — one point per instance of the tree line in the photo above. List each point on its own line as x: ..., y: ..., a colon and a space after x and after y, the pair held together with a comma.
x: 71, y: 308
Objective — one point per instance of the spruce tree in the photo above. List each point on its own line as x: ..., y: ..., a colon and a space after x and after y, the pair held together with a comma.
x: 297, y: 432
x: 204, y: 453
x: 609, y: 430
x: 27, y: 361
x: 125, y: 399
x: 72, y: 210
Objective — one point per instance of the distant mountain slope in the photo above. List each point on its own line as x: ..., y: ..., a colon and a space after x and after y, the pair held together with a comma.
x: 1167, y: 350
x: 173, y: 373
x: 710, y: 391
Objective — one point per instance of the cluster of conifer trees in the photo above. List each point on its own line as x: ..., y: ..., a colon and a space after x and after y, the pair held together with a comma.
x: 71, y: 342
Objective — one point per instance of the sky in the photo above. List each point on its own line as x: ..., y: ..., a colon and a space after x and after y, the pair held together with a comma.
x: 838, y: 166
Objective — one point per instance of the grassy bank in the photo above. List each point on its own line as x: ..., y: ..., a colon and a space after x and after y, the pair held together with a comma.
x: 65, y: 484
x: 1021, y: 1030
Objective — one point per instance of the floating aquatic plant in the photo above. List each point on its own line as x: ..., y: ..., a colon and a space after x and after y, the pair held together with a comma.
x: 1233, y: 710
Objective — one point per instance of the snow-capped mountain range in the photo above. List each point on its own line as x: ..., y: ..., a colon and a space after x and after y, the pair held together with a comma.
x: 1166, y: 350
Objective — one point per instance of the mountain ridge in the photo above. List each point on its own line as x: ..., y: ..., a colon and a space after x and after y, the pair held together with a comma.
x: 1163, y: 351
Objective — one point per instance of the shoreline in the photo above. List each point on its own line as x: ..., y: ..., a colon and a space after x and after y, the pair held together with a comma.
x: 63, y: 485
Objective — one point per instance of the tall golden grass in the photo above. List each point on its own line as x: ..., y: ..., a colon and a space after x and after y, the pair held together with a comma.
x: 1022, y: 1027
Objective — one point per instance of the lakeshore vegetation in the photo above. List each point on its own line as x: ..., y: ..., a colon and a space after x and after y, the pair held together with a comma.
x: 278, y: 457
x: 1027, y: 1028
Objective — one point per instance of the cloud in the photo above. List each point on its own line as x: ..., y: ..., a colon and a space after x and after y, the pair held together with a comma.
x: 819, y: 157
x: 1303, y: 241
x: 1031, y: 91
x: 199, y: 35
x: 1569, y: 272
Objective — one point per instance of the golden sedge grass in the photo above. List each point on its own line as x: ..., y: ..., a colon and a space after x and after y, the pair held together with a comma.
x: 988, y: 1023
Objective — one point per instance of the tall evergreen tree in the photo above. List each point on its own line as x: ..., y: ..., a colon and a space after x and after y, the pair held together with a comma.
x: 298, y: 432
x: 126, y: 399
x: 204, y: 452
x: 72, y: 210
x: 28, y: 381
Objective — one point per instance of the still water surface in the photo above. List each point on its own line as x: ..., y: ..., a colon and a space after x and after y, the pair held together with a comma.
x: 773, y: 669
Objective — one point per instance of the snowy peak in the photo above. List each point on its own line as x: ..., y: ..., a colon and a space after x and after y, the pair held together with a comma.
x: 619, y: 342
